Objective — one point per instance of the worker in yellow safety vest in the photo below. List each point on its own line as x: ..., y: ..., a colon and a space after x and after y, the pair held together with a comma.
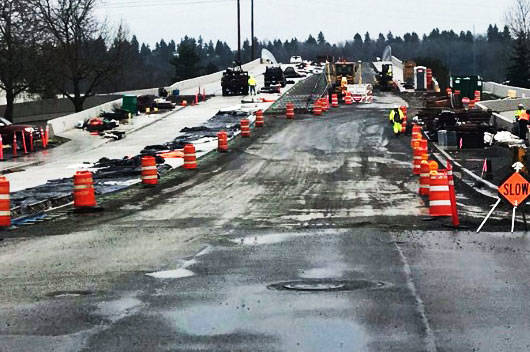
x: 523, y: 124
x: 519, y: 111
x: 396, y: 116
x: 252, y: 85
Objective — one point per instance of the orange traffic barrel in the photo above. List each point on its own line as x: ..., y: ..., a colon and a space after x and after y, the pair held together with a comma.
x: 259, y: 119
x: 477, y: 95
x: 424, y: 147
x: 222, y: 141
x: 5, y: 204
x: 348, y: 99
x: 439, y: 195
x: 289, y: 111
x: 84, y: 194
x: 317, y: 108
x: 245, y: 128
x: 324, y: 102
x: 425, y: 178
x: 334, y: 101
x: 416, y: 165
x: 190, y: 158
x: 184, y: 103
x: 149, y: 170
x: 448, y: 91
x: 416, y: 135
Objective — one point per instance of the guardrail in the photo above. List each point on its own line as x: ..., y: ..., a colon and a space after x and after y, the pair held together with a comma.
x: 302, y: 95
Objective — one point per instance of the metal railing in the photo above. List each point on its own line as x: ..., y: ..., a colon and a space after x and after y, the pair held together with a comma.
x: 302, y: 95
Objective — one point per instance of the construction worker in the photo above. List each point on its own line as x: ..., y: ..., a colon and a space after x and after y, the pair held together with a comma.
x: 523, y: 124
x: 252, y: 85
x: 519, y: 111
x: 396, y: 117
x: 343, y: 82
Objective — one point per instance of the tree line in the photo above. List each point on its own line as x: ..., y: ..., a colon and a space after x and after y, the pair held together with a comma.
x: 52, y: 47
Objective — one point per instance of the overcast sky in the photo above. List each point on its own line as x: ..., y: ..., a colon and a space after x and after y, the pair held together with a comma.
x: 152, y: 20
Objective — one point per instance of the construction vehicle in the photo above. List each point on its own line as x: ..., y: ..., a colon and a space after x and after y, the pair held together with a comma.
x: 274, y: 76
x: 386, y: 77
x: 349, y: 70
x: 235, y: 81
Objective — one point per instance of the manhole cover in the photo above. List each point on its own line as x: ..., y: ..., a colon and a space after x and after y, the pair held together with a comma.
x: 326, y: 285
x: 63, y: 294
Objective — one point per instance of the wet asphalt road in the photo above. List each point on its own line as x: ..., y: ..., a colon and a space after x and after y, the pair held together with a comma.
x: 224, y: 258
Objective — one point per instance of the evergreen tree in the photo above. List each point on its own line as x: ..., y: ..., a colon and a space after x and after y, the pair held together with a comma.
x: 519, y: 70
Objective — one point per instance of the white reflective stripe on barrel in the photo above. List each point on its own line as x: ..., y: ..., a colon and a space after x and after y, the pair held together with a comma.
x: 424, y: 175
x: 148, y: 168
x: 451, y: 183
x: 424, y: 186
x: 5, y: 213
x: 152, y: 177
x: 439, y: 188
x: 438, y: 203
x: 82, y: 186
x: 4, y: 196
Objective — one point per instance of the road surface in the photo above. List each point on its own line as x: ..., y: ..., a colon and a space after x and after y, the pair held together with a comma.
x: 307, y: 237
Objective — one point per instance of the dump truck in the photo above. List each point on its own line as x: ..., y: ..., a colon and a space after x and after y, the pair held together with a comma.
x: 235, y: 81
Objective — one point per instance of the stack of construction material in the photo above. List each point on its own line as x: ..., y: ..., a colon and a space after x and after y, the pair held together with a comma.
x: 469, y: 126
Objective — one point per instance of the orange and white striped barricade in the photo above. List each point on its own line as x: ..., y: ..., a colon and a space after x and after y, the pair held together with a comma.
x: 289, y: 111
x: 425, y: 178
x: 245, y: 128
x: 5, y: 202
x: 439, y: 194
x: 149, y: 170
x: 190, y: 158
x: 317, y: 108
x: 334, y: 100
x: 260, y: 122
x: 84, y: 193
x: 222, y: 141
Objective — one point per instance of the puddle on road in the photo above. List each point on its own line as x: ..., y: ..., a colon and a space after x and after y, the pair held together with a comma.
x: 274, y: 238
x: 286, y: 319
x: 181, y: 271
x: 66, y: 294
x: 172, y: 274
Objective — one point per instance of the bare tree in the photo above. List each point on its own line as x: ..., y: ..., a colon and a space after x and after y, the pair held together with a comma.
x: 81, y: 51
x: 17, y: 49
x: 518, y: 18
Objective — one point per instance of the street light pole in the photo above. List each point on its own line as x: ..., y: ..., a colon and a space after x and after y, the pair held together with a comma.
x: 252, y: 28
x: 238, y: 32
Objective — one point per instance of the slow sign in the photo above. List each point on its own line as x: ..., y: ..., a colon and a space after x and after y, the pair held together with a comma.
x: 515, y: 189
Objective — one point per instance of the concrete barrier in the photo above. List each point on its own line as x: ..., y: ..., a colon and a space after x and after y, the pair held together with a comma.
x: 501, y: 90
x: 47, y: 109
x: 65, y: 123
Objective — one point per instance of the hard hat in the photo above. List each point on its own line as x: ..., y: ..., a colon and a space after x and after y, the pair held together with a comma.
x: 521, y: 105
x: 396, y: 107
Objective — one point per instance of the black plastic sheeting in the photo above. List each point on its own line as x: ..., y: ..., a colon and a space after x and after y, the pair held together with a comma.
x: 116, y: 174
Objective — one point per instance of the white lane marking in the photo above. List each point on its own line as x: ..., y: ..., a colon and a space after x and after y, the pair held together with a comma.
x: 430, y: 340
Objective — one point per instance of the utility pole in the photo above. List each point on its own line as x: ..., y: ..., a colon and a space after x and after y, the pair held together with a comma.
x: 238, y: 32
x: 252, y: 28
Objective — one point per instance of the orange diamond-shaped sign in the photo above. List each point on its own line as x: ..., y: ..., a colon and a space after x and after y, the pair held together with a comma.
x: 515, y: 189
